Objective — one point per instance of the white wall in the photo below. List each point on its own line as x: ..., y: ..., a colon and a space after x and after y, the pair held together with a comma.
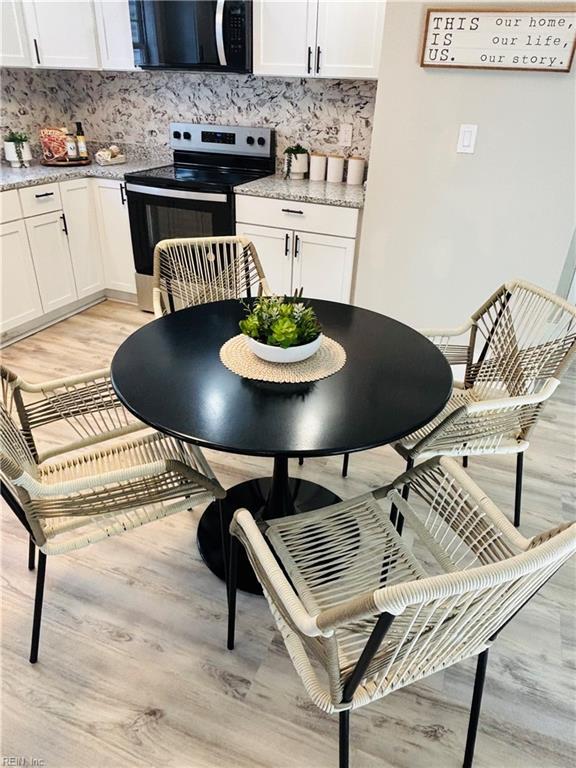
x: 442, y: 230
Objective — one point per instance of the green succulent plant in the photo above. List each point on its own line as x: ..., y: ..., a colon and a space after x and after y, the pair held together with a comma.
x: 280, y: 321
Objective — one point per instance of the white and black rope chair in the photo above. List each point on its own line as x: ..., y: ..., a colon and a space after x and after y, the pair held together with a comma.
x: 363, y: 613
x: 191, y: 271
x: 514, y: 350
x: 89, y: 495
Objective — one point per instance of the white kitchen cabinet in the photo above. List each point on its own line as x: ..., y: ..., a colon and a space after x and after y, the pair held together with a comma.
x: 318, y: 38
x: 323, y: 266
x: 284, y: 37
x: 275, y: 250
x: 115, y: 239
x: 20, y: 295
x: 114, y: 34
x: 349, y: 38
x: 83, y: 237
x: 62, y: 35
x: 15, y: 51
x: 52, y: 262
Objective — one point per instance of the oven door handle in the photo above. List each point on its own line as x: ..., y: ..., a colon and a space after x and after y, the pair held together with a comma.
x: 219, y: 29
x: 210, y: 197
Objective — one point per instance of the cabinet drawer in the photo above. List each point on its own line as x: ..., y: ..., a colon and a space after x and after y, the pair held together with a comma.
x: 289, y: 214
x: 44, y: 198
x: 9, y: 206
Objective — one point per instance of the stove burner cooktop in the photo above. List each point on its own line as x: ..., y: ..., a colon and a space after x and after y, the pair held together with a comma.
x: 196, y: 176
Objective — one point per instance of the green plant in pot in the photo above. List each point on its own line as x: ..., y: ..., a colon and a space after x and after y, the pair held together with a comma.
x: 296, y: 162
x: 281, y: 329
x: 17, y: 149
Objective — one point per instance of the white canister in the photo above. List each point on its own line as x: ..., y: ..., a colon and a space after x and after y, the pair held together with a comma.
x: 317, y: 167
x: 335, y: 168
x: 355, y: 175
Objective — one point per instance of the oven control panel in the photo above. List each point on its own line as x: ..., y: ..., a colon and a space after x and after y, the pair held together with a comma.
x: 225, y: 139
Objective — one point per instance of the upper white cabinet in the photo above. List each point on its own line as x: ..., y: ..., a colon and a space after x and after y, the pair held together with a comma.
x: 284, y: 34
x: 114, y: 34
x: 62, y: 35
x: 318, y: 38
x: 349, y: 38
x: 15, y: 51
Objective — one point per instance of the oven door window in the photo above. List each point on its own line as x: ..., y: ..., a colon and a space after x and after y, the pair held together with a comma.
x: 158, y: 218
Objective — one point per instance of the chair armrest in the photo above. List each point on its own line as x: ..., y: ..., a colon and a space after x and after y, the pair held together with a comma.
x: 42, y: 490
x: 456, y: 354
x: 258, y: 549
x: 157, y: 303
x: 504, y: 403
x: 447, y: 333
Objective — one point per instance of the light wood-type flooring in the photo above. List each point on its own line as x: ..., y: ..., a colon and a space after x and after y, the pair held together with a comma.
x: 133, y: 669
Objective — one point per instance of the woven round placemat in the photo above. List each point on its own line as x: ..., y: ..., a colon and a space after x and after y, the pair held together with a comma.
x: 239, y: 358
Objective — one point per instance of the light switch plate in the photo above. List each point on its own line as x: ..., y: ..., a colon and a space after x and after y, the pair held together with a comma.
x: 345, y: 135
x: 467, y: 138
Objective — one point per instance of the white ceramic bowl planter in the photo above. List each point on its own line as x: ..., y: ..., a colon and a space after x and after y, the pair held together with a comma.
x: 281, y: 355
x: 11, y: 154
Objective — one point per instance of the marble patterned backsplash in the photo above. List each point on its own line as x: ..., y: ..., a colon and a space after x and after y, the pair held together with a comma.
x: 134, y: 108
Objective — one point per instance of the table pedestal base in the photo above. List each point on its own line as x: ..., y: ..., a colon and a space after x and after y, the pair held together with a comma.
x: 261, y: 498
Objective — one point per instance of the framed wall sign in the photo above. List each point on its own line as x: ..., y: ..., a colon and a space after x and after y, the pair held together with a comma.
x: 530, y: 38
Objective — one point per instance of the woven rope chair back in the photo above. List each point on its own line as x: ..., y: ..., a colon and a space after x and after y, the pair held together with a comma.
x: 527, y: 335
x: 477, y: 573
x: 193, y: 271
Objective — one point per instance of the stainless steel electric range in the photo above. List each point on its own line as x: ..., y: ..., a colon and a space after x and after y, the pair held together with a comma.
x: 193, y: 197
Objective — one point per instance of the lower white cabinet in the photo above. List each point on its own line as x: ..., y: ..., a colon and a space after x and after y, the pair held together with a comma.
x: 83, y: 238
x: 321, y: 264
x: 115, y: 239
x: 52, y: 262
x: 20, y: 295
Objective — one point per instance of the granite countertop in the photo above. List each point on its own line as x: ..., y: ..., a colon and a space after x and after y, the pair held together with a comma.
x: 15, y: 178
x: 322, y: 192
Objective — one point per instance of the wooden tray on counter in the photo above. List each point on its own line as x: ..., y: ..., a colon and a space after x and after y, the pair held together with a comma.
x: 65, y: 163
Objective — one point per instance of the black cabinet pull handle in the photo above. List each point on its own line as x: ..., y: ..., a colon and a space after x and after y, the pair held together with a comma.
x: 296, y: 246
x: 309, y: 65
x: 291, y: 210
x: 318, y: 52
x: 45, y: 194
x: 286, y: 244
x: 122, y: 194
x: 36, y: 49
x: 64, y: 225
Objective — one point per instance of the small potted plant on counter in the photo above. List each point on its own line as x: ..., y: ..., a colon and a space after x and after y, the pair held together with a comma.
x: 17, y: 149
x: 281, y: 329
x: 296, y: 162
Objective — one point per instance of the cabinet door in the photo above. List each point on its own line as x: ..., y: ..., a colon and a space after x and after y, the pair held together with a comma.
x: 323, y: 266
x: 83, y: 237
x: 275, y: 249
x: 350, y: 37
x: 64, y: 33
x: 51, y: 256
x: 20, y: 295
x: 284, y: 37
x: 15, y: 51
x: 115, y: 240
x: 114, y: 34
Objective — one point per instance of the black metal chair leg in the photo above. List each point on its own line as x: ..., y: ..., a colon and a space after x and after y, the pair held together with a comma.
x: 225, y: 537
x: 345, y: 465
x: 232, y: 580
x: 300, y: 460
x: 475, y: 709
x: 31, y: 553
x: 465, y: 461
x: 405, y: 494
x: 344, y: 739
x: 518, y: 495
x: 38, y: 599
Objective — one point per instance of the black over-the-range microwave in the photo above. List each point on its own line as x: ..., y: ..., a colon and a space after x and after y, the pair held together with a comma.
x: 201, y: 35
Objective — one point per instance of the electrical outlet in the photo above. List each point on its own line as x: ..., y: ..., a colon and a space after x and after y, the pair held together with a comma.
x: 345, y: 135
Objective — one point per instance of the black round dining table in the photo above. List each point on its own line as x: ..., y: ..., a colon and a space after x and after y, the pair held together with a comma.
x: 169, y: 374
